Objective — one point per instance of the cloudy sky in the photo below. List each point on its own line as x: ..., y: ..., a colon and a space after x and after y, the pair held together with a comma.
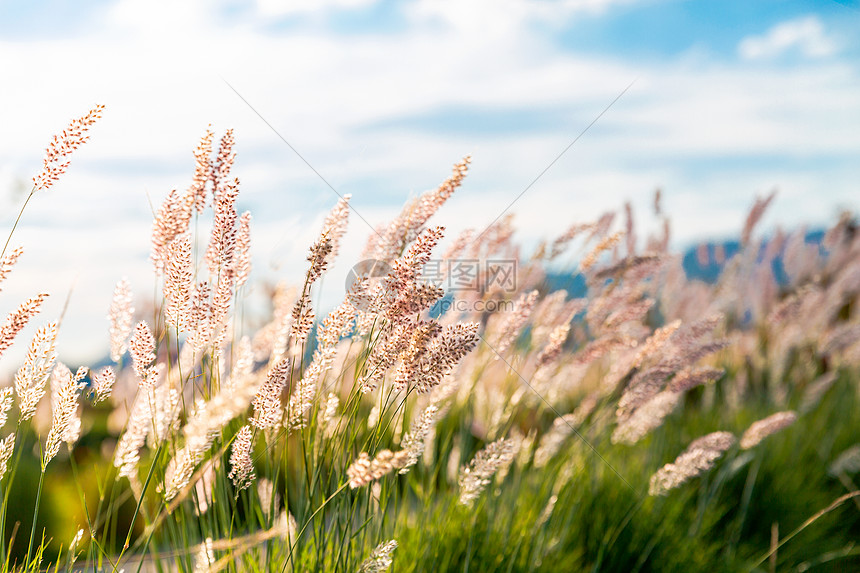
x: 731, y: 99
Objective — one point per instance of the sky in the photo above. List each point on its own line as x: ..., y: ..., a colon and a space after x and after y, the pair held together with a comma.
x: 729, y: 100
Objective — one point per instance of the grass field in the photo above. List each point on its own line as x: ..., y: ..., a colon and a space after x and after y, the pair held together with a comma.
x: 657, y: 423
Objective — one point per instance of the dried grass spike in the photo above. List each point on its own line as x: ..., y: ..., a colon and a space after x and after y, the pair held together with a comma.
x: 61, y: 147
x: 761, y: 429
x: 380, y: 558
x: 120, y: 317
x: 18, y: 320
x: 242, y: 472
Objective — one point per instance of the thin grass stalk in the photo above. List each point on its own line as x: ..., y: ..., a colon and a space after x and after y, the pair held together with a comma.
x: 836, y: 503
x: 35, y: 516
x: 17, y: 220
x: 8, y: 489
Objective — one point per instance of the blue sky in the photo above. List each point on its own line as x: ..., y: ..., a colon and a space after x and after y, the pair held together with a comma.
x: 731, y: 99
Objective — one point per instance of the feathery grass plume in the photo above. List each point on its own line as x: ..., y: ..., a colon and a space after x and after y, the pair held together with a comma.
x: 66, y: 423
x: 209, y: 317
x: 552, y: 350
x: 321, y: 253
x: 633, y: 311
x: 518, y: 442
x: 604, y: 245
x: 303, y: 313
x: 59, y: 380
x: 61, y: 147
x: 413, y: 441
x: 164, y: 414
x: 102, y: 384
x: 380, y: 558
x: 412, y: 357
x: 646, y: 417
x: 81, y: 373
x: 654, y: 343
x: 242, y: 369
x: 223, y: 164
x: 318, y: 258
x: 178, y: 282
x: 205, y: 557
x: 73, y: 552
x: 170, y: 221
x: 203, y: 489
x: 756, y: 212
x: 631, y: 267
x: 174, y: 215
x: 629, y: 228
x: 242, y: 472
x: 268, y: 411
x: 609, y: 300
x: 19, y: 319
x: 444, y: 352
x: 476, y: 477
x: 699, y: 457
x: 202, y: 170
x: 219, y: 327
x: 560, y: 244
x: 761, y: 429
x: 142, y: 350
x: 127, y: 452
x: 691, y: 342
x: 269, y: 497
x: 335, y: 326
x: 643, y: 386
x: 403, y: 295
x: 647, y: 350
x: 6, y: 400
x: 365, y: 469
x: 602, y: 225
x: 816, y: 390
x: 200, y: 317
x: 222, y: 241
x: 514, y: 322
x: 8, y: 262
x: 120, y: 317
x: 33, y: 374
x: 7, y: 446
x: 657, y: 205
x: 335, y: 225
x: 703, y: 256
x: 848, y: 462
x: 547, y: 510
x: 839, y: 338
x: 551, y: 312
x: 692, y: 377
x: 329, y: 414
x: 302, y: 318
x: 242, y: 258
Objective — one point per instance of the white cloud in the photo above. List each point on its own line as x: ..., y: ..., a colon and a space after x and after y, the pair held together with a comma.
x: 294, y: 7
x: 805, y: 35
